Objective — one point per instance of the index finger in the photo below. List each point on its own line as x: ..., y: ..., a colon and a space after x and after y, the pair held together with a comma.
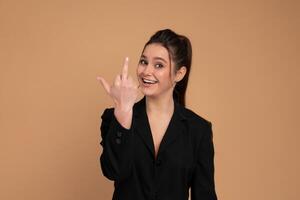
x: 125, y: 69
x: 104, y: 83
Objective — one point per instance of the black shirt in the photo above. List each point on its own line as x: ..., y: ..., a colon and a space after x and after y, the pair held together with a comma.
x: 185, y: 158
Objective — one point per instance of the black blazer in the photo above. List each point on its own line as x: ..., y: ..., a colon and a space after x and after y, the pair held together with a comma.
x: 185, y: 157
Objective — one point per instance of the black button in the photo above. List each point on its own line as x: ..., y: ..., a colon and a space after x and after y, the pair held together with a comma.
x: 119, y: 134
x: 118, y: 140
x: 157, y: 162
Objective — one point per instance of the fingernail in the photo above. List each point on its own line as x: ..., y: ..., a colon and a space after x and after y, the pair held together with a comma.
x: 127, y: 58
x: 98, y: 78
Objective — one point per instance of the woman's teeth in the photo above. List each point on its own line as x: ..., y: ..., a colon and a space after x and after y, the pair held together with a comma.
x: 149, y: 81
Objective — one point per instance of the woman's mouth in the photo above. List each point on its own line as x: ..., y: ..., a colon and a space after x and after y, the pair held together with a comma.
x: 149, y: 81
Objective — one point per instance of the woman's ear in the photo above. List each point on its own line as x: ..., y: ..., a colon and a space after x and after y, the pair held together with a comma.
x: 180, y: 73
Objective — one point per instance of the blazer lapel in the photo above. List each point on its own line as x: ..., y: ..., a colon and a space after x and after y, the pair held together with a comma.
x: 141, y: 124
x: 142, y: 127
x: 175, y: 128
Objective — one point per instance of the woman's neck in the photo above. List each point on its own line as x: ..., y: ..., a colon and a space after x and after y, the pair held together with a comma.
x: 160, y: 105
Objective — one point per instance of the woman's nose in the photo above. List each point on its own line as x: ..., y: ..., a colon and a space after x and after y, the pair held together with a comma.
x: 148, y: 70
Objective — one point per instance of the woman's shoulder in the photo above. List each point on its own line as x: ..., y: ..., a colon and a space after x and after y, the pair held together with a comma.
x: 199, y: 127
x: 195, y: 119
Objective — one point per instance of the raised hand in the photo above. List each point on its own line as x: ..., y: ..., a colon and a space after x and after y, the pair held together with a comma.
x: 124, y: 92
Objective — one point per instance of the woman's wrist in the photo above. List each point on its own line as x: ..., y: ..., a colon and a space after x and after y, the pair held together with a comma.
x: 124, y: 116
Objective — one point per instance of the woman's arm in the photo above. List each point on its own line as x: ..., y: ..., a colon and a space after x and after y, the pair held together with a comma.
x: 203, y: 184
x: 116, y: 131
x: 117, y: 144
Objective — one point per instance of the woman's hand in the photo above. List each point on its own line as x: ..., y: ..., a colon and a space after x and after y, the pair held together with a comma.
x: 123, y: 92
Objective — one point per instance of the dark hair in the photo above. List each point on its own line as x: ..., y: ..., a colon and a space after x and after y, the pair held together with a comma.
x: 180, y: 51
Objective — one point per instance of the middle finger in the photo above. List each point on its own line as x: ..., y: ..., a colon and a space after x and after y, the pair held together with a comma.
x: 125, y: 69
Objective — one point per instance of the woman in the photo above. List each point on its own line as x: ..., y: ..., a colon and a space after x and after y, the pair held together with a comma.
x: 156, y: 148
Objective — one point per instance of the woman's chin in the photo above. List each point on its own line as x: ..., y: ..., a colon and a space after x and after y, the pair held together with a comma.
x: 147, y: 92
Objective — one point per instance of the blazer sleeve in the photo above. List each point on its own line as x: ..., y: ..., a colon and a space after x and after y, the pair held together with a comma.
x: 203, y: 185
x: 117, y: 145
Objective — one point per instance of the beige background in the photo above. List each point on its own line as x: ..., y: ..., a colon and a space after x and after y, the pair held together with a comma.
x: 245, y: 79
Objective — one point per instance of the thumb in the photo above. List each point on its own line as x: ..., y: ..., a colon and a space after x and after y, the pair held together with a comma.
x: 104, y: 83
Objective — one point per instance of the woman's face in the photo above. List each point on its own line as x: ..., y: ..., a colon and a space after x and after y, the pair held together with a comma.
x: 153, y: 71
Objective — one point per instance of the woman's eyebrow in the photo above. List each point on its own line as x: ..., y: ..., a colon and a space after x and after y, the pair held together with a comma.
x: 155, y: 58
x: 160, y: 58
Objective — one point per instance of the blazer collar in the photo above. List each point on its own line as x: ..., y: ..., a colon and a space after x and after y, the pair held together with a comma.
x: 142, y: 127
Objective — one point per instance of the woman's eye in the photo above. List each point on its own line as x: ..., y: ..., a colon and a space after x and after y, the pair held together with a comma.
x: 143, y: 62
x: 158, y: 65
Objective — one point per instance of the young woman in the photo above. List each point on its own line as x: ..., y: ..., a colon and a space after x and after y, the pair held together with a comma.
x: 157, y: 148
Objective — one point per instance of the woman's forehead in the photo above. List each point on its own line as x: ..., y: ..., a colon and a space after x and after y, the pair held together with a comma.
x: 156, y: 51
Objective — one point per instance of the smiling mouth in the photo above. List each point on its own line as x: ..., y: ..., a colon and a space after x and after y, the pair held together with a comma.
x: 148, y: 81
